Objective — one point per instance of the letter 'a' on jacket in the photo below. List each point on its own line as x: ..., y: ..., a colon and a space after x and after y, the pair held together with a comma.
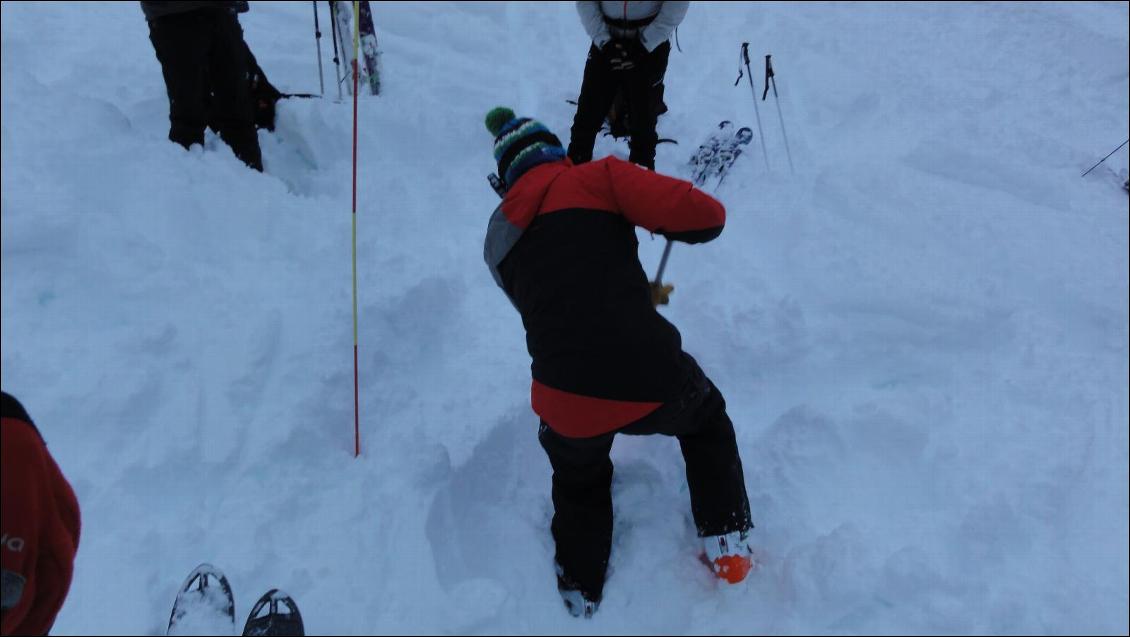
x: 40, y: 520
x: 562, y: 245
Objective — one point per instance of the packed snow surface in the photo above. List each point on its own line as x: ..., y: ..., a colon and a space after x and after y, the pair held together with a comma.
x: 921, y: 334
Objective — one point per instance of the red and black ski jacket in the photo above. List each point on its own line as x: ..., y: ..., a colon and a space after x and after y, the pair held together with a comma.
x: 41, y: 524
x: 562, y: 245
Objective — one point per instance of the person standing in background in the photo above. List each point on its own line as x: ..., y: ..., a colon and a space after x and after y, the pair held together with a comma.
x: 205, y: 64
x: 629, y: 53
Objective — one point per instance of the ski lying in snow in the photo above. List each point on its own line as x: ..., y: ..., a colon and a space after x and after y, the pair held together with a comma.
x: 205, y: 606
x: 274, y: 614
x: 718, y: 153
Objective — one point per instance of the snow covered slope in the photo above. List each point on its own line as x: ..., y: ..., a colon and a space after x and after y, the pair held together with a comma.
x: 922, y: 334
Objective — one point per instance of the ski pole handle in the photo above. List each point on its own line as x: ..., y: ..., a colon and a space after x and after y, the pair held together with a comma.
x: 768, y: 78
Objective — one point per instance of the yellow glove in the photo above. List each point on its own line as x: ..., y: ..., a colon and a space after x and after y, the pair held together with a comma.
x: 661, y: 293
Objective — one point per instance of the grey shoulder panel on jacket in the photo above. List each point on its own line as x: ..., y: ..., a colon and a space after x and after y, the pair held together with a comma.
x: 500, y: 239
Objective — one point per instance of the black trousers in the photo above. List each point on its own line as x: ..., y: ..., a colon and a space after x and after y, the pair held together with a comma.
x: 582, y: 481
x: 204, y: 61
x: 598, y: 90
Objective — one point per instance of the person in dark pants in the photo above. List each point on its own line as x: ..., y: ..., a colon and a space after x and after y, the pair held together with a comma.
x: 582, y: 481
x: 628, y: 56
x: 205, y: 63
x: 562, y: 246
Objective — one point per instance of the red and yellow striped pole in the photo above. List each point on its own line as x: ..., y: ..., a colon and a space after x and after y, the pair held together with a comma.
x: 356, y: 397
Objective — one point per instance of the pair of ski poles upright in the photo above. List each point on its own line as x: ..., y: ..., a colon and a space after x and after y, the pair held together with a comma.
x: 659, y: 291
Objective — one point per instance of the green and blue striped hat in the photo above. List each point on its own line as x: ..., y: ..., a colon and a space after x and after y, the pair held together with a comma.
x: 520, y: 143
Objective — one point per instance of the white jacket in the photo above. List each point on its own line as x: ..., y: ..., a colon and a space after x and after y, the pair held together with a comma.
x: 665, y: 16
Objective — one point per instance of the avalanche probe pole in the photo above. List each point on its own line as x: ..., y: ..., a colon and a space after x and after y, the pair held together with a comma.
x: 356, y: 399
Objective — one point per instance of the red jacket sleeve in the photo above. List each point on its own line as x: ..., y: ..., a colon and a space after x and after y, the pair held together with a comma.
x: 40, y: 520
x: 665, y: 205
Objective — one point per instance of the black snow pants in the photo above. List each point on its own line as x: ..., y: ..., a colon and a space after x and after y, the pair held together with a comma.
x: 205, y: 64
x: 599, y: 88
x: 582, y: 481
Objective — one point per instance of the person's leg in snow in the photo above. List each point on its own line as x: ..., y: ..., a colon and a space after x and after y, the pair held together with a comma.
x: 715, y: 478
x: 598, y: 90
x: 233, y: 109
x: 203, y: 61
x: 640, y: 88
x: 582, y: 499
x: 264, y: 95
x: 582, y: 518
x: 181, y: 44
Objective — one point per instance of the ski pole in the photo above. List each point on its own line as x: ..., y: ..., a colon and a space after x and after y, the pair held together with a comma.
x: 333, y: 36
x: 1105, y: 158
x: 770, y: 77
x: 356, y: 398
x: 753, y: 91
x: 318, y: 44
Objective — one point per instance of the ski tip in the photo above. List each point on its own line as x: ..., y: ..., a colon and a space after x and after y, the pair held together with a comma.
x: 204, y: 601
x: 269, y: 601
x: 275, y: 613
x: 204, y: 569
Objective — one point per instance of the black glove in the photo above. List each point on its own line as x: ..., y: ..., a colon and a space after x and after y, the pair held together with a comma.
x: 635, y: 50
x: 617, y: 56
